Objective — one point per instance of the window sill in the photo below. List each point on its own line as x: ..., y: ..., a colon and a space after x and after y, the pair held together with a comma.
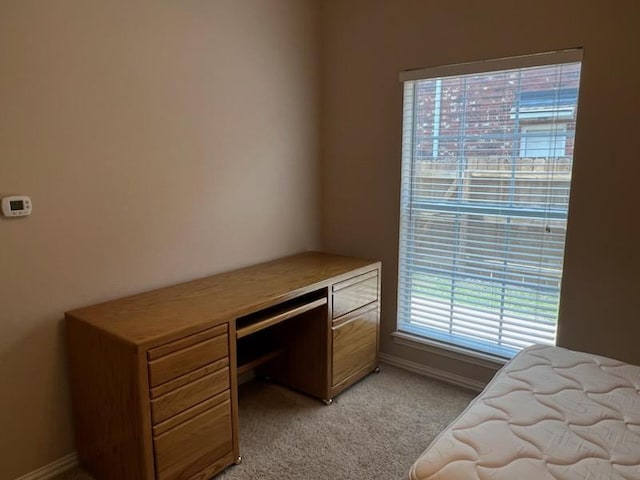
x: 450, y: 351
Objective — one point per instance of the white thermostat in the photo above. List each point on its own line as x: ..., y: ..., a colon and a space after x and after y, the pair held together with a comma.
x: 16, y: 206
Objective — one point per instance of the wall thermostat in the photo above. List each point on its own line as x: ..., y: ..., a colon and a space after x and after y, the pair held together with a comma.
x: 16, y: 206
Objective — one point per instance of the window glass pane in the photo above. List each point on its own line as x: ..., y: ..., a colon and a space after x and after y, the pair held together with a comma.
x: 545, y: 140
x: 485, y: 189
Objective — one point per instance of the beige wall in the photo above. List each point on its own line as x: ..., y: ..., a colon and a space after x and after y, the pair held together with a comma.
x: 165, y: 140
x: 160, y: 141
x: 368, y: 42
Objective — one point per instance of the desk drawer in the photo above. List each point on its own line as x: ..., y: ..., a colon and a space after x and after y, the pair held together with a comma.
x: 187, y: 359
x: 354, y: 293
x: 191, y: 394
x: 192, y: 446
x: 355, y: 345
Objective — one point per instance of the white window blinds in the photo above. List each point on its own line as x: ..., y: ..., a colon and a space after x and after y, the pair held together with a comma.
x: 486, y: 174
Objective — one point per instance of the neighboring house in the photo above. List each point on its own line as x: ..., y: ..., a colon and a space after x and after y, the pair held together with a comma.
x: 487, y: 128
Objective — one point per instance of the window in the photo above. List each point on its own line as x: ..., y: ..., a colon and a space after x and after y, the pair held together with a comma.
x: 545, y: 104
x: 543, y: 140
x: 486, y: 174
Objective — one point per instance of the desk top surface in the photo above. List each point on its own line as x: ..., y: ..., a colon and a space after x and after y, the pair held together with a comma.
x: 147, y: 318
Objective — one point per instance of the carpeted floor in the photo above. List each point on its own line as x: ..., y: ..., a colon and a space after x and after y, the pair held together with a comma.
x: 374, y: 430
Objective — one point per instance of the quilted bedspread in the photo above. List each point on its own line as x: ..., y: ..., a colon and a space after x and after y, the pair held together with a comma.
x: 549, y: 414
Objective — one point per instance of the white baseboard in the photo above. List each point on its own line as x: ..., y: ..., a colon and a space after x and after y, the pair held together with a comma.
x: 54, y: 468
x: 432, y: 372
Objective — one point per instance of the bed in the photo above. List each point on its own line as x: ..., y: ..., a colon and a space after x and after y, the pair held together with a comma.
x: 549, y: 414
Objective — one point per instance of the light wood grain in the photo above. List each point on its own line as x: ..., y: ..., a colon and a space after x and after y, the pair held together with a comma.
x: 233, y: 358
x: 194, y: 411
x: 287, y: 313
x: 188, y: 359
x: 189, y: 395
x: 172, y: 353
x: 187, y: 449
x: 357, y: 292
x: 189, y: 377
x: 354, y: 344
x: 216, y: 467
x: 185, y: 342
x: 155, y: 317
x: 106, y: 393
x: 353, y: 378
x: 144, y: 397
x: 262, y: 359
x: 353, y: 280
x: 304, y: 365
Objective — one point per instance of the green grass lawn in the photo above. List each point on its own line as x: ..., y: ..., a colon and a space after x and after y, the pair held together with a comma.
x: 490, y: 296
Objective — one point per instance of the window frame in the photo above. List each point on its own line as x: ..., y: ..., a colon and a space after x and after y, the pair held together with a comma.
x: 556, y: 138
x: 566, y: 114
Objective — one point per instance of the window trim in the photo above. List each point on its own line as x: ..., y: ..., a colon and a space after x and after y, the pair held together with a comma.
x: 506, y: 63
x: 449, y: 350
x: 407, y: 78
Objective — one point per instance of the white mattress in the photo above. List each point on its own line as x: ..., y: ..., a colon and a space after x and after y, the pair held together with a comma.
x: 549, y: 414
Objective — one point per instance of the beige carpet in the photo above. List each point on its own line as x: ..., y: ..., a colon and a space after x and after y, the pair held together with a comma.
x: 373, y: 431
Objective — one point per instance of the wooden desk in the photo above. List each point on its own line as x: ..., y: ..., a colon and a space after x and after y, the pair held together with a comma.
x: 154, y: 376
